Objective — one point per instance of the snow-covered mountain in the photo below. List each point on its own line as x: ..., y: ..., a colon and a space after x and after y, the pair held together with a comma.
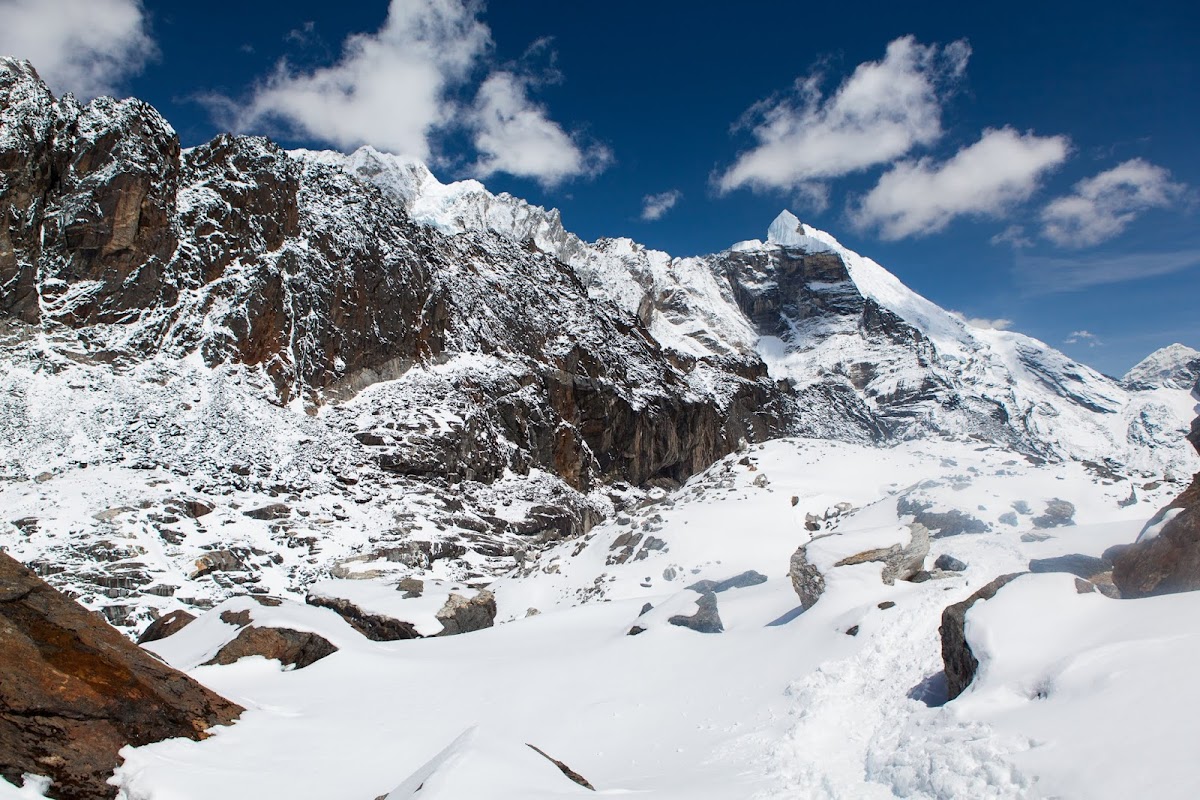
x: 386, y: 359
x: 330, y: 395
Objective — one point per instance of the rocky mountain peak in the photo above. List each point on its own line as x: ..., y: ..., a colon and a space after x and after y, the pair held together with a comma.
x: 1175, y: 366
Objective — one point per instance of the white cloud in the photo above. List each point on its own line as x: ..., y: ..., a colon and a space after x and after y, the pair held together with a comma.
x: 916, y: 198
x: 1083, y: 337
x: 1044, y: 275
x: 882, y: 111
x: 1014, y: 236
x: 513, y: 134
x: 1000, y: 324
x: 388, y: 89
x: 654, y: 206
x: 87, y: 47
x: 1102, y: 206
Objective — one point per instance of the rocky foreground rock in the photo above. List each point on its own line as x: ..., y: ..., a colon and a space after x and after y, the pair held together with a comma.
x: 74, y: 691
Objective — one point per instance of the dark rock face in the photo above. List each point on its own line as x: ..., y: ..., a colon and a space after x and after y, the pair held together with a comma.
x: 957, y: 657
x: 461, y: 615
x: 165, y: 626
x: 705, y: 620
x: 242, y: 253
x: 375, y: 627
x: 1170, y: 561
x: 289, y: 647
x: 74, y: 691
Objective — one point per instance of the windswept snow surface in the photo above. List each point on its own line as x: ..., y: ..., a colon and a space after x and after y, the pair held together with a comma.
x: 781, y: 704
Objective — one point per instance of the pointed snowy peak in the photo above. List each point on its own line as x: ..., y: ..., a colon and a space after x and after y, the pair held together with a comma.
x: 788, y: 231
x: 1175, y: 366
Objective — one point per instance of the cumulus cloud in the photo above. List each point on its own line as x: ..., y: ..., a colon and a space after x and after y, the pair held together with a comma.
x: 401, y: 88
x: 654, y: 206
x: 1102, y: 206
x: 514, y: 134
x: 920, y: 197
x: 1047, y: 275
x: 388, y: 89
x: 882, y: 111
x: 88, y: 47
x: 999, y: 324
x: 1083, y: 337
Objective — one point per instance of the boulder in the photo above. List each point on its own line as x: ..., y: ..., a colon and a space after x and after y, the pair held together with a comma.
x: 705, y: 620
x: 1058, y: 513
x: 1166, y: 556
x: 960, y: 663
x: 166, y: 625
x: 74, y: 691
x: 460, y: 615
x: 290, y: 647
x: 900, y: 562
x: 807, y: 579
x: 376, y: 627
x: 948, y: 563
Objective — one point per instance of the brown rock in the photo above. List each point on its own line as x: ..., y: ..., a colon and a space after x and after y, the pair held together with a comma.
x: 74, y: 691
x: 290, y: 647
x: 567, y: 771
x: 166, y: 625
x: 959, y: 661
x: 1169, y: 562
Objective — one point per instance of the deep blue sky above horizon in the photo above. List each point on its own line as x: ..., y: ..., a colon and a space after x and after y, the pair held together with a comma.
x: 1034, y: 163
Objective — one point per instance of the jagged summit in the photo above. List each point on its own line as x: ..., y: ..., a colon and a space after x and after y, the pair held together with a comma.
x: 1175, y: 366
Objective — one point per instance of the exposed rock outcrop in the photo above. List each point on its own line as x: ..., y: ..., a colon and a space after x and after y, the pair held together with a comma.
x: 959, y: 661
x: 74, y: 691
x: 900, y: 562
x: 705, y: 620
x: 376, y: 627
x: 166, y: 625
x: 1166, y: 556
x: 290, y: 647
x: 461, y: 615
x: 807, y: 579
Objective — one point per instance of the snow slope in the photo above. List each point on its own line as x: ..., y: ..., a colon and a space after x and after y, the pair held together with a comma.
x: 778, y: 705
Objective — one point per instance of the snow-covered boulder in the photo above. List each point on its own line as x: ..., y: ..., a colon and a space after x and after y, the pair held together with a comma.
x: 902, y: 557
x: 386, y: 611
x: 960, y: 663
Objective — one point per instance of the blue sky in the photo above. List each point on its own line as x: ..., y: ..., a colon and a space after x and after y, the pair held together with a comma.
x: 1034, y: 163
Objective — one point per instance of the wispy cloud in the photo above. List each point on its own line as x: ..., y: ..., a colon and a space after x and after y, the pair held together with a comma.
x: 1014, y: 236
x: 88, y: 47
x: 1047, y: 275
x: 917, y: 198
x: 1083, y: 337
x: 654, y: 206
x: 881, y: 112
x: 1102, y: 206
